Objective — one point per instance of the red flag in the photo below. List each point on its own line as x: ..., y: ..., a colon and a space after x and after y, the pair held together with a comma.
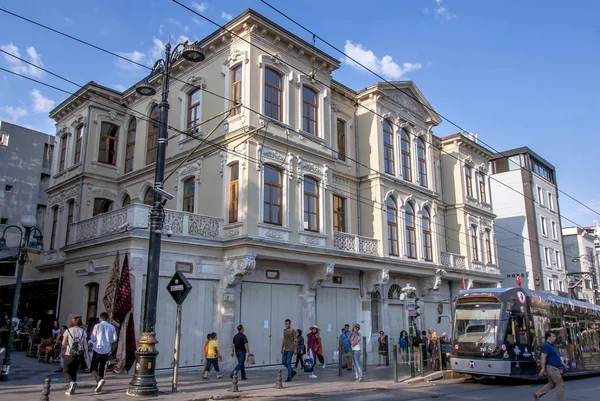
x: 123, y: 314
x: 463, y: 282
x: 519, y: 279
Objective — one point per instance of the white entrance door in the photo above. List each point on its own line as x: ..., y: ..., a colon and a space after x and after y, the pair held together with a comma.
x: 397, y: 319
x: 265, y: 307
x: 335, y: 307
x: 196, y: 322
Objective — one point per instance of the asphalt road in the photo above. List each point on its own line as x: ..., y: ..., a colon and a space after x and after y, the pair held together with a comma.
x: 498, y: 390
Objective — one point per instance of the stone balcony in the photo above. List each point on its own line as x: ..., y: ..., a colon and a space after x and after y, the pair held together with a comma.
x: 452, y: 260
x: 137, y: 217
x: 355, y: 243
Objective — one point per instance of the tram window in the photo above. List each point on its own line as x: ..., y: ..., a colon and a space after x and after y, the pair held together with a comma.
x: 595, y: 337
x: 522, y: 327
x: 510, y: 332
x: 571, y: 324
x: 583, y: 335
x: 556, y: 325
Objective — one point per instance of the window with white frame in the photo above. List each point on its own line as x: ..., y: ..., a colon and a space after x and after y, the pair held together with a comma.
x: 554, y: 229
x: 561, y: 286
x: 4, y: 136
x: 341, y: 140
x: 540, y: 195
x: 557, y: 258
x: 547, y: 257
x: 550, y: 201
x: 273, y: 94
x: 474, y: 246
x: 310, y: 110
x: 311, y: 204
x: 544, y: 225
x: 550, y: 284
x: 392, y: 225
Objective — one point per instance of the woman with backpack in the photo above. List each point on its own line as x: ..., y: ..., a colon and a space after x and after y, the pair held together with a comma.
x: 300, y: 350
x: 75, y: 343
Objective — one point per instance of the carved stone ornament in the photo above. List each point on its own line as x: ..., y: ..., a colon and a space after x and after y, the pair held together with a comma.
x: 194, y: 168
x: 237, y: 268
x: 90, y: 268
x: 312, y: 168
x: 320, y: 274
x: 407, y: 103
x: 63, y: 195
x: 112, y: 115
x: 236, y: 56
x: 469, y: 161
x: 483, y: 168
x: 79, y: 120
x: 196, y: 81
x: 473, y: 220
x: 335, y: 108
x: 375, y: 279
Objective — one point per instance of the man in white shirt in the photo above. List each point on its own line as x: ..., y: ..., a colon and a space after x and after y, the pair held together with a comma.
x: 103, y: 335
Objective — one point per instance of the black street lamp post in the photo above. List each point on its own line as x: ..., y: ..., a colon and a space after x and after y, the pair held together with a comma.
x: 25, y: 243
x: 143, y: 382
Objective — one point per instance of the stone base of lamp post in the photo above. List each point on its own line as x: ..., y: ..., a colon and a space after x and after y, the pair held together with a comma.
x: 143, y: 383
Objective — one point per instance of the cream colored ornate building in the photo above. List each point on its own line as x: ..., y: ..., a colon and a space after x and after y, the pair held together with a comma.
x: 282, y: 224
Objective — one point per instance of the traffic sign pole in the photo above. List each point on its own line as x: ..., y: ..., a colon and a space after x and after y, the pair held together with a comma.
x: 176, y: 354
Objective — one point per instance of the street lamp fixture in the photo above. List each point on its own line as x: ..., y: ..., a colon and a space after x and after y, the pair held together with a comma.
x: 143, y: 382
x: 28, y: 222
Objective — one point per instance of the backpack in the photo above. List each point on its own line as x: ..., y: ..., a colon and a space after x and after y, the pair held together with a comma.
x: 309, y: 365
x: 77, y: 348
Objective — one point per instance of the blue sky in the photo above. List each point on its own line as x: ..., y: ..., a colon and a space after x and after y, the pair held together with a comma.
x: 514, y: 72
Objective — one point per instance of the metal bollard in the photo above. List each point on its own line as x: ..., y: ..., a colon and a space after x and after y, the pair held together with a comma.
x: 422, y: 358
x: 395, y: 362
x: 278, y: 383
x: 364, y: 353
x: 340, y: 355
x: 46, y: 390
x: 234, y: 383
x: 387, y: 351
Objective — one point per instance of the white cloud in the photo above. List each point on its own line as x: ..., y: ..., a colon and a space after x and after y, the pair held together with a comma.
x: 442, y: 12
x: 135, y: 55
x: 160, y: 30
x: 12, y: 114
x: 186, y: 28
x: 120, y: 88
x: 200, y: 7
x: 183, y: 38
x: 40, y: 103
x: 425, y: 11
x: 226, y: 16
x: 197, y: 21
x: 158, y: 49
x: 385, y: 66
x: 20, y: 67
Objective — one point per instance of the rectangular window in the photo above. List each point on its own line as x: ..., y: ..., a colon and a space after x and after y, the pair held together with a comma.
x: 311, y: 204
x: 3, y: 220
x: 388, y: 149
x: 550, y: 284
x: 310, y: 109
x: 233, y: 192
x: 488, y: 246
x: 474, y: 243
x: 130, y: 145
x: 558, y: 258
x: 469, y: 181
x: 69, y: 221
x: 8, y: 188
x: 341, y: 140
x: 514, y: 163
x: 339, y: 213
x: 78, y: 138
x: 236, y: 89
x: 193, y: 114
x: 109, y: 139
x: 544, y: 226
x: 588, y: 284
x: 4, y: 136
x: 272, y: 196
x: 92, y: 304
x: 550, y: 201
x: 48, y: 154
x: 63, y: 153
x: 540, y: 193
x: 53, y: 232
x: 541, y: 170
x: 547, y: 256
x: 482, y: 191
x: 554, y: 230
x: 561, y: 286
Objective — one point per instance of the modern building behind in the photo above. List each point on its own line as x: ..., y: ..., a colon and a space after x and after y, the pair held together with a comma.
x: 322, y: 217
x: 582, y: 268
x: 528, y: 226
x: 25, y: 160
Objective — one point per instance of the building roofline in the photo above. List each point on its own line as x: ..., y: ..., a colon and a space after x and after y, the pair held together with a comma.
x: 467, y: 140
x: 522, y: 150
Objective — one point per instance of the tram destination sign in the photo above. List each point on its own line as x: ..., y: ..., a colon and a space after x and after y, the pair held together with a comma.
x: 179, y: 287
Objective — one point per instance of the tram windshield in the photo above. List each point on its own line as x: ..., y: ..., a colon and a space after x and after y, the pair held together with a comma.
x: 477, y: 323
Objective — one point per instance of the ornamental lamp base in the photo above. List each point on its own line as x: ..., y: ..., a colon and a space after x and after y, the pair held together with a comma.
x: 143, y: 383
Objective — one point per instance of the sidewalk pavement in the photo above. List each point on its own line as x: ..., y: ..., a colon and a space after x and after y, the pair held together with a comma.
x: 27, y: 379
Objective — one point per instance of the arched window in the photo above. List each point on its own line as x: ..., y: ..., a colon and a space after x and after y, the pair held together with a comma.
x: 272, y: 194
x: 339, y: 213
x: 130, y: 148
x: 406, y: 162
x: 341, y: 140
x: 394, y: 292
x: 474, y: 246
x: 149, y: 196
x: 233, y: 192
x: 193, y: 114
x: 311, y: 204
x: 126, y: 201
x: 236, y: 89
x: 102, y: 206
x: 189, y: 187
x: 54, y: 223
x: 153, y: 126
x: 92, y: 303
x: 78, y: 138
x: 70, y: 210
x: 109, y: 139
x: 488, y: 247
x: 469, y: 181
x: 63, y: 152
x: 392, y: 224
x: 426, y: 224
x: 388, y: 148
x: 375, y: 312
x: 273, y: 91
x: 409, y: 218
x: 422, y: 162
x: 482, y: 191
x: 310, y: 109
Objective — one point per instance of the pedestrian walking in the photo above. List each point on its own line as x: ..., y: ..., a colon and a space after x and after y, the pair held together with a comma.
x: 551, y: 363
x: 212, y: 356
x: 355, y: 340
x: 432, y: 348
x: 206, y: 367
x: 288, y: 348
x: 311, y: 339
x: 300, y: 349
x: 403, y: 343
x: 319, y: 348
x: 418, y: 357
x: 241, y: 348
x: 75, y: 352
x: 103, y: 335
x: 382, y: 350
x: 347, y: 347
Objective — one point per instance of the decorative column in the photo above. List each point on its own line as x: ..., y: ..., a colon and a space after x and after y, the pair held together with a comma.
x: 373, y: 280
x: 317, y: 274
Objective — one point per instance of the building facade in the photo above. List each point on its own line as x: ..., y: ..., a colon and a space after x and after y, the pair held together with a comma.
x: 582, y: 268
x: 528, y: 226
x: 25, y: 157
x: 322, y: 217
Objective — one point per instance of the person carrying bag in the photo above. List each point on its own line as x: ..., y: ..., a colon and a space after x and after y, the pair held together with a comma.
x: 75, y: 352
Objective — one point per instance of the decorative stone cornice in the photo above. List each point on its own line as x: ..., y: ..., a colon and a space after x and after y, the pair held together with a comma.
x: 237, y: 268
x: 375, y: 279
x: 320, y: 274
